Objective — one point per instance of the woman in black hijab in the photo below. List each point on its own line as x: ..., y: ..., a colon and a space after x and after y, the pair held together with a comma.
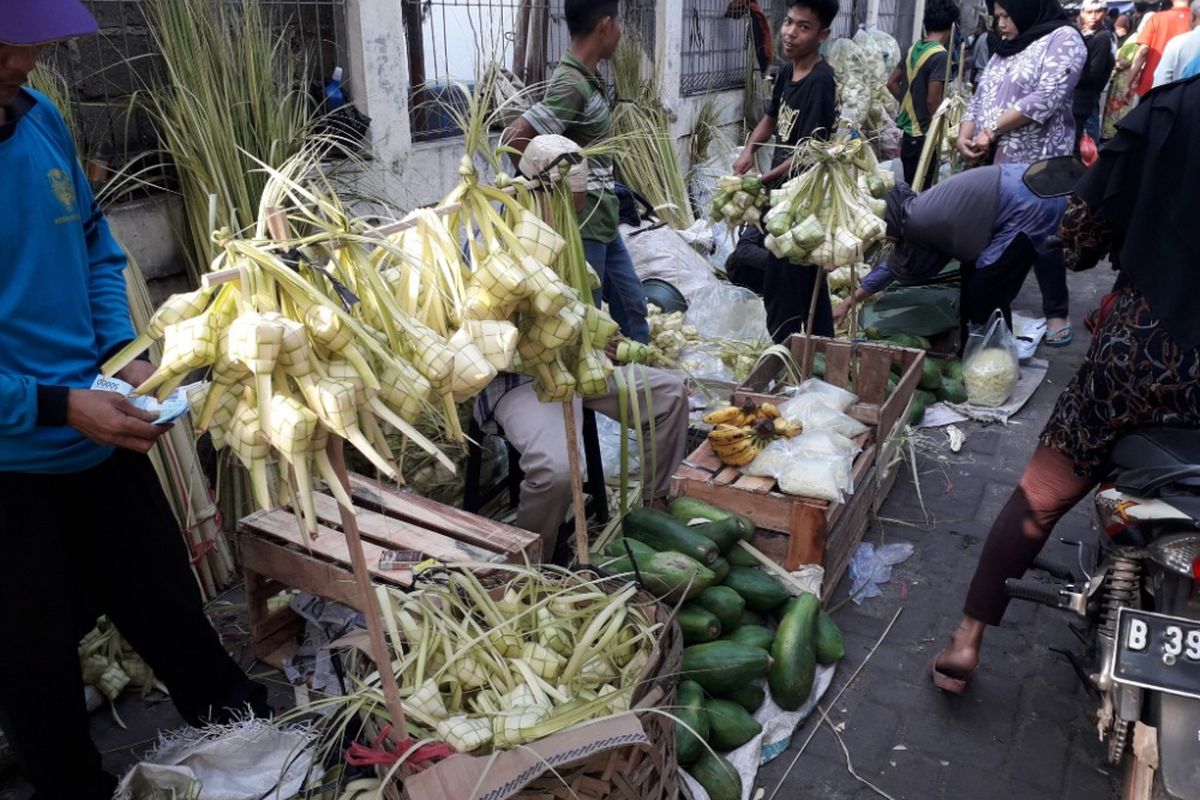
x: 1137, y: 203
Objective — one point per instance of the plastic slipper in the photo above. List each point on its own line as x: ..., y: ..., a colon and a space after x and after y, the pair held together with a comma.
x: 945, y: 681
x: 1060, y: 338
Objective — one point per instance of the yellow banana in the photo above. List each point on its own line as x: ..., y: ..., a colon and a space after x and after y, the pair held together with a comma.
x: 723, y: 415
x: 783, y: 427
x: 740, y: 458
x: 768, y: 411
x: 727, y: 433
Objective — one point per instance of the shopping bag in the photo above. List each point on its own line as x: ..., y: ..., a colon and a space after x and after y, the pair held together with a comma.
x: 991, y: 365
x: 1088, y: 152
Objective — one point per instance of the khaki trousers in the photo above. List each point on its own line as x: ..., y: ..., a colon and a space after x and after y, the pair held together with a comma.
x: 538, y: 433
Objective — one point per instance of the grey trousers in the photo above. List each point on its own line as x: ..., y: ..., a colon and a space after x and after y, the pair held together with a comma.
x: 538, y: 432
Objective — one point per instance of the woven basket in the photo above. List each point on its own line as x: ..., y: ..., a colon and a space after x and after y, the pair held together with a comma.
x: 632, y: 772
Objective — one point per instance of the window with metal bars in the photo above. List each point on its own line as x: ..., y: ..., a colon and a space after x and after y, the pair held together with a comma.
x: 717, y: 43
x: 451, y: 43
x: 102, y: 73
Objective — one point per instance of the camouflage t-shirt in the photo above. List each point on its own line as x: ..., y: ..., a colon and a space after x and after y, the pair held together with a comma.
x: 575, y: 107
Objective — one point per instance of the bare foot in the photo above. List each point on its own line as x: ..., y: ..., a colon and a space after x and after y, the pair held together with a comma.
x: 951, y: 669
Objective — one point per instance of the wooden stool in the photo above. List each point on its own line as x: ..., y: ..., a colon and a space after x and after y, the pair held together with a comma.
x: 274, y: 557
x: 476, y: 497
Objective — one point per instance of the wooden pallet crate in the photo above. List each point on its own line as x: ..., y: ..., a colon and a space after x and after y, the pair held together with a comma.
x: 274, y: 557
x: 884, y: 413
x: 793, y: 531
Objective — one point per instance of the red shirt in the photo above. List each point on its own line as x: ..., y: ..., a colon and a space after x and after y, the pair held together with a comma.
x: 1162, y: 28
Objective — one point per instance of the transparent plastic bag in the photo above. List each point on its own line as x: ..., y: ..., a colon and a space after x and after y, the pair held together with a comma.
x: 803, y: 404
x: 725, y: 311
x: 870, y: 567
x: 801, y: 468
x: 819, y: 477
x: 844, y: 398
x: 823, y: 443
x: 818, y: 416
x: 991, y: 363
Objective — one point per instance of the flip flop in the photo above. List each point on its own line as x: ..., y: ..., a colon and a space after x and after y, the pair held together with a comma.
x: 1060, y: 338
x: 945, y: 681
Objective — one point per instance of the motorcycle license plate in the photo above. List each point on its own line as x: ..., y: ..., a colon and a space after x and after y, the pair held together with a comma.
x: 1156, y: 651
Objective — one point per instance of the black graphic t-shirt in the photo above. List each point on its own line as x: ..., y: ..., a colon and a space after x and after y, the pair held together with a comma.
x: 802, y: 108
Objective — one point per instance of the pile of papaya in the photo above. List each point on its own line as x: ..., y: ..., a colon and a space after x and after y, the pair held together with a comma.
x: 739, y: 624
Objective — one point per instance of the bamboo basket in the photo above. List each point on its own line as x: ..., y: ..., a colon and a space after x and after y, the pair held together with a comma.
x: 632, y: 772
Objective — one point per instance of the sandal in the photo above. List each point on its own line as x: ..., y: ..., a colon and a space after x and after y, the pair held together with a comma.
x: 944, y: 680
x: 1060, y: 338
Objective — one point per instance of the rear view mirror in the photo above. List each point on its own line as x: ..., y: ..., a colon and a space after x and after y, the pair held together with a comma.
x: 1053, y: 177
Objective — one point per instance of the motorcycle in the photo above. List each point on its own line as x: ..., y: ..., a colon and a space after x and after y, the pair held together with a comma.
x: 1138, y: 592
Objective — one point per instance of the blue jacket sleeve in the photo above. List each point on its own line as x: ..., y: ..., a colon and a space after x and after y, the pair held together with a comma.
x: 878, y: 279
x: 18, y: 404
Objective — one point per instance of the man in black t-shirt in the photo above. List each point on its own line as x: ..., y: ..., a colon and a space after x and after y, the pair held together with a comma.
x: 803, y: 105
x: 919, y: 83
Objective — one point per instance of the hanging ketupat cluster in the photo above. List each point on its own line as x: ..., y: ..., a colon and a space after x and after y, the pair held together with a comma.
x: 824, y: 216
x: 337, y: 327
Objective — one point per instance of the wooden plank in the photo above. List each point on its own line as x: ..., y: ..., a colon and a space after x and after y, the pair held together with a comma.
x: 703, y: 457
x: 876, y: 368
x: 397, y: 534
x: 453, y: 522
x: 766, y: 511
x: 686, y: 472
x: 806, y: 536
x: 726, y: 476
x: 303, y: 571
x: 331, y: 546
x: 755, y: 484
x: 893, y: 409
x: 837, y: 364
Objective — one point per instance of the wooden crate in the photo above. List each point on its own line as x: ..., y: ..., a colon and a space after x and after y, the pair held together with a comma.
x: 791, y: 530
x: 274, y: 557
x: 883, y: 413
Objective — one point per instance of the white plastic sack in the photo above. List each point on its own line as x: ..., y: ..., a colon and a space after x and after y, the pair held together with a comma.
x: 243, y: 761
x: 660, y: 252
x: 844, y: 398
x: 725, y: 311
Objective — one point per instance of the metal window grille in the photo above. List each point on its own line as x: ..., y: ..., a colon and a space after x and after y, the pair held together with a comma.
x: 103, y: 72
x: 716, y: 45
x: 452, y: 42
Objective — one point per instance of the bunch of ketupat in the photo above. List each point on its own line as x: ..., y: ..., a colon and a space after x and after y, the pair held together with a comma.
x: 111, y: 665
x: 535, y: 275
x: 739, y: 201
x: 668, y: 334
x: 490, y: 671
x: 337, y: 327
x: 823, y: 216
x: 862, y: 65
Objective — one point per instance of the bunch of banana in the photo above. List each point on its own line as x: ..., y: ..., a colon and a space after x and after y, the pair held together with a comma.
x: 733, y: 444
x: 737, y: 445
x: 744, y: 415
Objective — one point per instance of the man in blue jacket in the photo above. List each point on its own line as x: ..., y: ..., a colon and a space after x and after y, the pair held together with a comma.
x: 84, y: 525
